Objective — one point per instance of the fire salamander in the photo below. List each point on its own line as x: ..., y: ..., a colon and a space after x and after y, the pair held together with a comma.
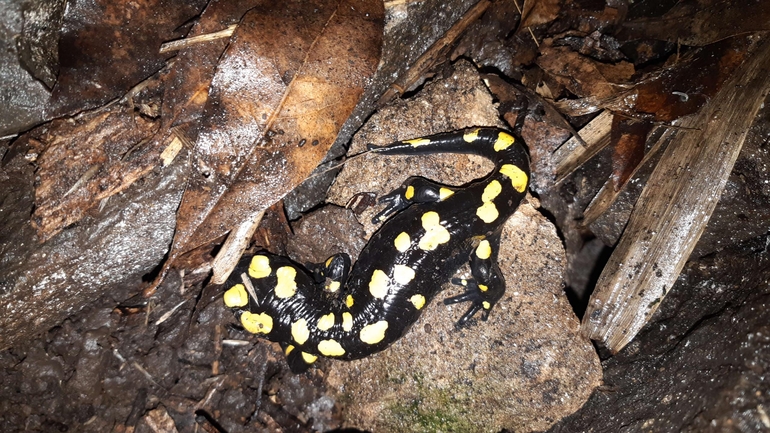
x: 329, y: 310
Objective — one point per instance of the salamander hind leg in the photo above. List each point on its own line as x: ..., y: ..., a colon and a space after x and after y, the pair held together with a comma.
x: 487, y: 285
x: 413, y: 190
x: 331, y: 274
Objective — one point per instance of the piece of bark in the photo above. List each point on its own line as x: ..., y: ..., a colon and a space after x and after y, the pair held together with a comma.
x: 674, y: 207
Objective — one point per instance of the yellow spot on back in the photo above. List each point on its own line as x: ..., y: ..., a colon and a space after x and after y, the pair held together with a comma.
x: 349, y: 301
x: 347, y: 321
x: 259, y: 267
x: 403, y: 242
x: 487, y: 212
x: 418, y: 301
x: 518, y: 177
x: 504, y: 141
x: 435, y: 233
x: 484, y: 250
x: 491, y: 191
x: 286, y: 286
x: 378, y: 286
x: 486, y: 305
x: 374, y: 332
x: 444, y: 193
x: 288, y: 350
x: 409, y: 192
x: 257, y: 323
x: 471, y: 136
x: 309, y: 357
x: 330, y: 348
x: 403, y: 274
x: 236, y: 296
x: 329, y: 261
x: 333, y: 286
x: 483, y: 288
x: 417, y: 142
x: 299, y: 331
x: 326, y: 322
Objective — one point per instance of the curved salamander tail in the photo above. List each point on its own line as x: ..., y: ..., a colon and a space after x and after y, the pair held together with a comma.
x: 493, y: 143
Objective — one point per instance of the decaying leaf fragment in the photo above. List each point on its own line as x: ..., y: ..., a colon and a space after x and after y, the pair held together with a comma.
x: 85, y: 159
x: 287, y: 82
x: 675, y: 207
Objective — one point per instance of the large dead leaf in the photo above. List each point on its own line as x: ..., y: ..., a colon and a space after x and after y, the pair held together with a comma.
x: 107, y: 47
x: 290, y: 77
x: 187, y: 83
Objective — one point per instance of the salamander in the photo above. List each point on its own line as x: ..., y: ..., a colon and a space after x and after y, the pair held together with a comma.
x: 331, y: 310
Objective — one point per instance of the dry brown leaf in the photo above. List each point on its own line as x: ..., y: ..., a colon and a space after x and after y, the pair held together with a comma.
x: 582, y: 75
x: 285, y: 85
x: 107, y: 47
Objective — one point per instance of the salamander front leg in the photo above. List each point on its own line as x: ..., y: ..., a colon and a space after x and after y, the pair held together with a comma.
x: 413, y: 190
x: 487, y: 285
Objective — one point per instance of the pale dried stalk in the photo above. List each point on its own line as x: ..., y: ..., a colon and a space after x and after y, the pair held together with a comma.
x: 572, y: 154
x: 675, y: 207
x: 178, y: 44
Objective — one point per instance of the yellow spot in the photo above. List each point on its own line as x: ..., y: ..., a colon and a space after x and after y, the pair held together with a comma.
x: 288, y: 350
x: 418, y: 301
x: 409, y: 192
x: 517, y: 176
x: 330, y: 348
x: 299, y: 331
x: 259, y: 267
x: 484, y: 250
x: 347, y: 321
x: 483, y: 288
x: 329, y: 261
x: 491, y: 191
x: 435, y: 233
x: 417, y: 142
x: 333, y: 286
x: 403, y: 242
x: 349, y: 301
x: 444, y: 193
x: 487, y: 212
x: 309, y: 357
x: 374, y: 333
x: 471, y: 136
x: 504, y: 141
x: 236, y: 296
x: 326, y: 322
x: 486, y: 305
x: 286, y: 286
x: 403, y: 274
x: 257, y: 323
x: 378, y: 286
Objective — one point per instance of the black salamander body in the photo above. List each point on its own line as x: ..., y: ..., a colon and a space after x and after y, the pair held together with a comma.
x: 330, y: 310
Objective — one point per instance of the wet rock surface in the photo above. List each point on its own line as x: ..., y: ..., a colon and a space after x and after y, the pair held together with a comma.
x: 43, y: 284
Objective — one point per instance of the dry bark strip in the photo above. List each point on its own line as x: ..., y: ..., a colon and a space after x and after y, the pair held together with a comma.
x: 675, y: 207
